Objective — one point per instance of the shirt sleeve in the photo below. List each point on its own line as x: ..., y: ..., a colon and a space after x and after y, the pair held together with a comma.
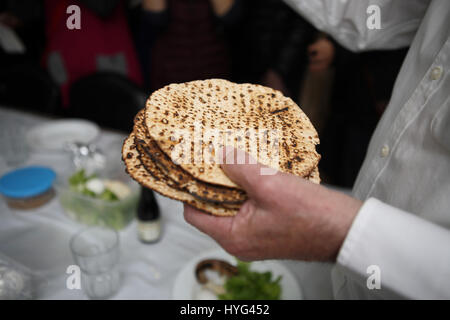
x: 412, y: 254
x: 347, y: 21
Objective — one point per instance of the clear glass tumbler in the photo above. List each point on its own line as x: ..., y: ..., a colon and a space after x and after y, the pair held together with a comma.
x: 96, y: 251
x: 13, y: 143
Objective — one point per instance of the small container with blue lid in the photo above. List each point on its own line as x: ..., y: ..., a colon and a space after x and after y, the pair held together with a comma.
x: 28, y: 188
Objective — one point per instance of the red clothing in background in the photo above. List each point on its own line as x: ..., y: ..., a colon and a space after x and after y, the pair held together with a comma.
x: 102, y: 44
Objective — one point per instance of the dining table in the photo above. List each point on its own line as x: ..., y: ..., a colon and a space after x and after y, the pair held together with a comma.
x: 38, y: 239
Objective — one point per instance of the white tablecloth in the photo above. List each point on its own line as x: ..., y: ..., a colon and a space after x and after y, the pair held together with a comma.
x: 39, y: 239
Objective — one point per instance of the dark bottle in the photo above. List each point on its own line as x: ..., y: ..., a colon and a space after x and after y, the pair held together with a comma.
x: 148, y: 216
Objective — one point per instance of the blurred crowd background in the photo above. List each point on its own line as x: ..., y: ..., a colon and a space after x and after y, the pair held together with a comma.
x: 127, y: 49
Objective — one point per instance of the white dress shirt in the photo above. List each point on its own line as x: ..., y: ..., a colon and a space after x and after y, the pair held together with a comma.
x: 404, y: 224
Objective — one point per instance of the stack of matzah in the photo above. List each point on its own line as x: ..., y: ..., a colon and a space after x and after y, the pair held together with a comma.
x: 173, y: 147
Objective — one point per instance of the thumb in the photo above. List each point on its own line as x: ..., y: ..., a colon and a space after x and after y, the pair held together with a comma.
x: 243, y: 169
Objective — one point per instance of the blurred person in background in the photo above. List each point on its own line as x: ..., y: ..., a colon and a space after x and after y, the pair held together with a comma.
x: 22, y: 41
x: 24, y: 21
x: 103, y: 43
x: 146, y: 23
x: 344, y: 94
x: 192, y: 41
x: 270, y: 47
x: 363, y: 84
x: 314, y: 93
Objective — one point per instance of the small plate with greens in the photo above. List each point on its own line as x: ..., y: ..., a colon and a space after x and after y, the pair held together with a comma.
x: 217, y: 275
x: 93, y: 200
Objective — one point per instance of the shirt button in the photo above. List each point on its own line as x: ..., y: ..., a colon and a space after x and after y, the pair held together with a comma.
x: 436, y: 73
x: 384, y: 151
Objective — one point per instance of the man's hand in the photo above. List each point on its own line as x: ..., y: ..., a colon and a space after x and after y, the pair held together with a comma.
x: 321, y: 55
x: 285, y: 217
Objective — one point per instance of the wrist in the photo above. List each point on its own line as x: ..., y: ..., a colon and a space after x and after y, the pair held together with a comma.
x: 341, y: 218
x: 331, y: 214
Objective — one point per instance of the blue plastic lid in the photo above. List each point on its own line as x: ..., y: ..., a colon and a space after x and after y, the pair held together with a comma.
x: 26, y: 182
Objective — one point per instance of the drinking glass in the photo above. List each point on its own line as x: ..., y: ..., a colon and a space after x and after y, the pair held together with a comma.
x: 96, y: 251
x: 13, y: 143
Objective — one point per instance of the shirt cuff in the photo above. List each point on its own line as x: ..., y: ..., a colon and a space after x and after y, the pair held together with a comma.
x: 412, y: 254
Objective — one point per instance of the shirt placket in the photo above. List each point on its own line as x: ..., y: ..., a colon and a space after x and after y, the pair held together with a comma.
x: 413, y: 107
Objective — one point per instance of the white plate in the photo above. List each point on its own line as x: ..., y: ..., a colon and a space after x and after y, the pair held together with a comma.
x: 186, y: 284
x: 54, y: 135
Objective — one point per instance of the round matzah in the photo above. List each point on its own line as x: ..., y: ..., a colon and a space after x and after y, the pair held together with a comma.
x: 179, y: 114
